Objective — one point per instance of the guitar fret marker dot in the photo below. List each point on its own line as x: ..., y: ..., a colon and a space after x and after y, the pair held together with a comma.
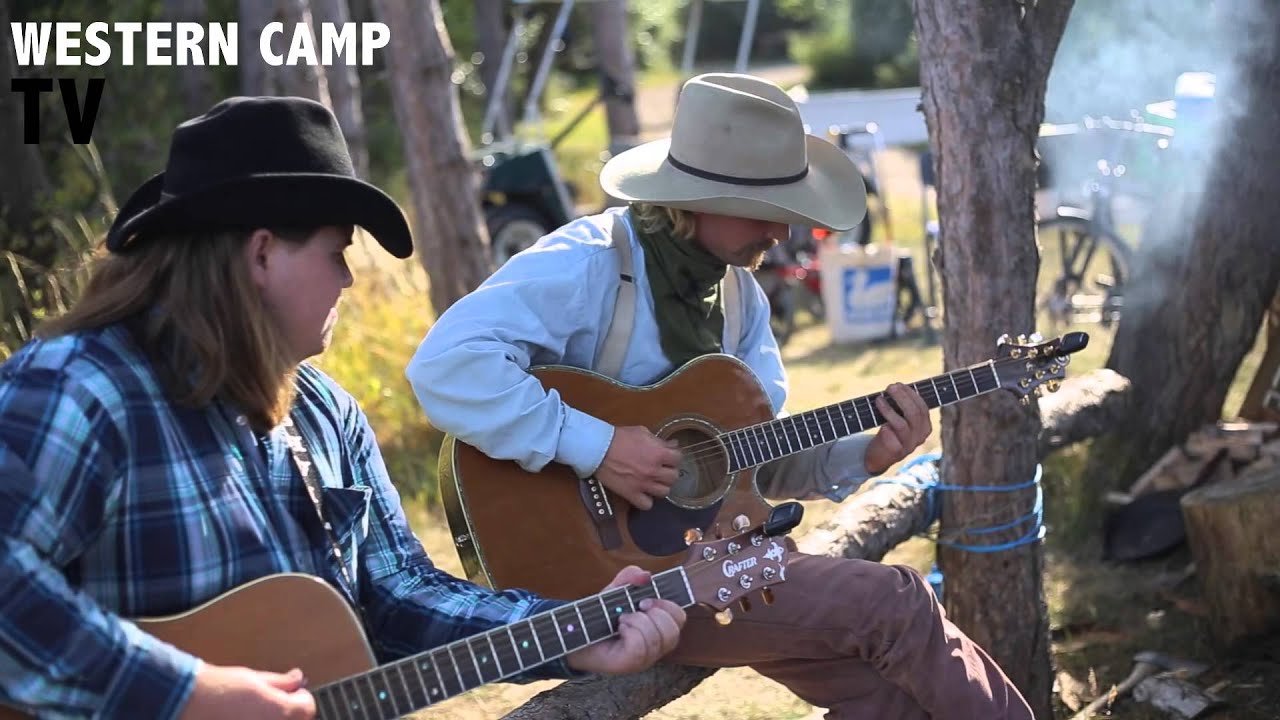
x: 569, y: 627
x: 382, y: 695
x: 524, y: 644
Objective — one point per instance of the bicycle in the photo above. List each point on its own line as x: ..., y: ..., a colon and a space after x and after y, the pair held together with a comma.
x: 1085, y: 261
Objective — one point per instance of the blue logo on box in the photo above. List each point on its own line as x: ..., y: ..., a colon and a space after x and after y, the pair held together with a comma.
x: 868, y: 294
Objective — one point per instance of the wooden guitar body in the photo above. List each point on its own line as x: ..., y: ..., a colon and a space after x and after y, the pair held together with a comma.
x: 552, y: 533
x: 273, y: 624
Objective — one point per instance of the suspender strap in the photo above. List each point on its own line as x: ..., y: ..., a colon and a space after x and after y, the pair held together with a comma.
x: 618, y: 338
x: 731, y: 306
x: 302, y: 461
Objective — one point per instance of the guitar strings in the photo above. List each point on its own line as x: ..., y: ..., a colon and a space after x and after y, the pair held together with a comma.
x: 719, y: 445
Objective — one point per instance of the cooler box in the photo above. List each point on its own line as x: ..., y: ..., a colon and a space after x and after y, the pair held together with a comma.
x: 859, y: 291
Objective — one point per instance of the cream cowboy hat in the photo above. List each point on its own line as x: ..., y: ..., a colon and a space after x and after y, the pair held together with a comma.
x: 738, y: 148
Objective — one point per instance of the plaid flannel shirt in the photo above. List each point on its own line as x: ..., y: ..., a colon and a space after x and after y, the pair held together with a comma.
x: 116, y: 503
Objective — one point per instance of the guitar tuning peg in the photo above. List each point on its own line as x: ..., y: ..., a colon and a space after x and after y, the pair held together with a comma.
x: 692, y: 535
x: 1022, y: 339
x: 1025, y: 399
x: 741, y: 522
x: 767, y: 595
x: 745, y: 604
x: 1053, y: 385
x: 724, y: 617
x: 716, y: 529
x: 1037, y: 337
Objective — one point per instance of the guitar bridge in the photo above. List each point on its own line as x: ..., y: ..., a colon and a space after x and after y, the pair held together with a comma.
x: 601, y: 512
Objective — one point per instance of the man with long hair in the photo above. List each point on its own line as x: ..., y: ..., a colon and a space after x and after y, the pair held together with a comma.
x: 150, y: 442
x: 863, y: 639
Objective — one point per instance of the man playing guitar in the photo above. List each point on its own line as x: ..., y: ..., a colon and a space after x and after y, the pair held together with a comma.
x: 164, y: 442
x: 864, y: 640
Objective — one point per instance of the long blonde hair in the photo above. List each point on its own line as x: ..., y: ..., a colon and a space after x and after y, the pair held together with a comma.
x: 656, y: 218
x: 195, y: 310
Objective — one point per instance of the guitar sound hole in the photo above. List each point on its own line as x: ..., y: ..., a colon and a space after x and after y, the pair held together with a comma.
x: 703, y: 475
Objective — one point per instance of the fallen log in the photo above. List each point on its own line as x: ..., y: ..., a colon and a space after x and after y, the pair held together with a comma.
x: 1085, y: 406
x: 868, y: 526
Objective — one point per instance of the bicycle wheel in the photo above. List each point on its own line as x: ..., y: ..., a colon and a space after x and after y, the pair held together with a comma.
x: 1083, y: 270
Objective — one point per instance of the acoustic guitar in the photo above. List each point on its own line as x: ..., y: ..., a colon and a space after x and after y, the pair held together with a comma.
x: 293, y: 620
x: 561, y: 536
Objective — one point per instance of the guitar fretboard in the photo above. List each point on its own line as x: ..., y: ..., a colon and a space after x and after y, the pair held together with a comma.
x: 758, y: 444
x: 416, y: 682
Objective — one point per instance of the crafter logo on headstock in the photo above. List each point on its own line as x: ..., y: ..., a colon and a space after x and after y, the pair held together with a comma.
x: 732, y: 568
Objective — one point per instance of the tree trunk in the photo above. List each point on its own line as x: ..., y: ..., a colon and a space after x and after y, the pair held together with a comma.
x: 491, y: 39
x: 617, y: 72
x: 983, y: 70
x: 1231, y: 532
x: 24, y: 185
x: 344, y: 88
x: 255, y: 74
x: 303, y: 79
x: 24, y: 193
x: 449, y: 233
x: 196, y: 81
x: 1203, y: 278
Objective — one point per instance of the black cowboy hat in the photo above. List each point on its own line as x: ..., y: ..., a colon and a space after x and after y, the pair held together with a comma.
x: 273, y: 162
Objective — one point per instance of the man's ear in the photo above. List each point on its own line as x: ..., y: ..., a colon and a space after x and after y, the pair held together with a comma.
x: 257, y: 253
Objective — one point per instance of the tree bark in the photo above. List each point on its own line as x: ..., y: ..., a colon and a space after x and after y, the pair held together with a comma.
x: 196, y: 81
x: 983, y: 70
x: 1200, y: 288
x: 617, y: 72
x: 344, y: 88
x: 255, y: 76
x: 491, y: 38
x: 303, y: 79
x: 450, y: 235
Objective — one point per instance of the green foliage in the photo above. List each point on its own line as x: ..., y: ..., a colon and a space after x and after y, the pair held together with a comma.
x: 860, y: 48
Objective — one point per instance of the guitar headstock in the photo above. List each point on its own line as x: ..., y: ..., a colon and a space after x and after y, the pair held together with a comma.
x: 725, y: 571
x: 1028, y: 363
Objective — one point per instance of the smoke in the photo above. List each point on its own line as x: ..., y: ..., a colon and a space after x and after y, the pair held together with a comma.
x: 1175, y: 63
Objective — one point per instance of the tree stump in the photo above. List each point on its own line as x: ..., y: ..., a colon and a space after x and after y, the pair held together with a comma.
x: 1231, y: 531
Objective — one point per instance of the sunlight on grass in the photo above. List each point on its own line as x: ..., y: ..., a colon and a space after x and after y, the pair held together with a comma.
x: 382, y: 319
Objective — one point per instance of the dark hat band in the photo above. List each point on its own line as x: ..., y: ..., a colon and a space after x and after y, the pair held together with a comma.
x: 735, y: 180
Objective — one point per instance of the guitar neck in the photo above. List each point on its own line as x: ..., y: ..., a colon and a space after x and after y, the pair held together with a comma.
x: 758, y: 444
x: 427, y: 678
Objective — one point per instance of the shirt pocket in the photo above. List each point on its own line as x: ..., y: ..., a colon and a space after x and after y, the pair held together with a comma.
x: 346, y: 509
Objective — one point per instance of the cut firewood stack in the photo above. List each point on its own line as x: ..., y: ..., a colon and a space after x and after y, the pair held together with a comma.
x: 1225, y: 480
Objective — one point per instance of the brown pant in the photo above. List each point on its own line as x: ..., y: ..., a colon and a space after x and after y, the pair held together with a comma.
x: 863, y: 640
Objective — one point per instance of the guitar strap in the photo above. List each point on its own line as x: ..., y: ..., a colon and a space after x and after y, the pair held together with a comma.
x: 618, y: 338
x: 306, y: 468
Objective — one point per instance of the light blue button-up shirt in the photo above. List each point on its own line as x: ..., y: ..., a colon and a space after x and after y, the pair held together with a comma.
x: 552, y: 305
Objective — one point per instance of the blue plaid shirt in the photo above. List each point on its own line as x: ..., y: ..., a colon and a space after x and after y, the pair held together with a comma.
x: 117, y: 503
